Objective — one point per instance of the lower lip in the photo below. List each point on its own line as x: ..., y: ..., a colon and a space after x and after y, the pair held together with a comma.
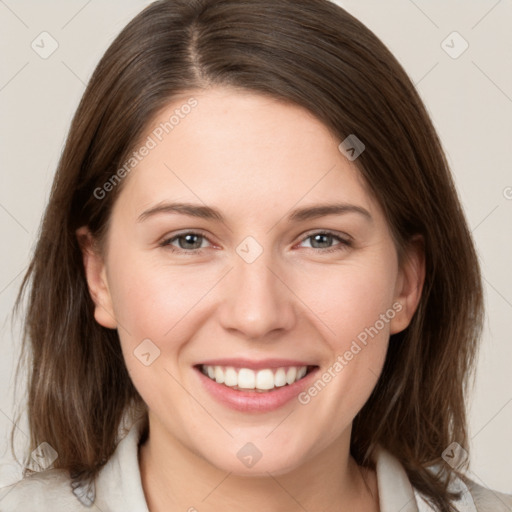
x: 253, y: 401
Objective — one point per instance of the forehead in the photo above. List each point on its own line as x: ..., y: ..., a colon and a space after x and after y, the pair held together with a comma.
x: 241, y: 150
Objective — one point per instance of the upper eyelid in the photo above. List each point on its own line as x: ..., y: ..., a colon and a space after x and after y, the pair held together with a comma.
x: 333, y: 232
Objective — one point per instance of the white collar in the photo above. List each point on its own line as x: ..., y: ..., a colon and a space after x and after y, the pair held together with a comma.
x: 118, y: 486
x: 397, y: 494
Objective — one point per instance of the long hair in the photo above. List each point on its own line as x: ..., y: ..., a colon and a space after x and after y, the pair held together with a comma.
x: 310, y: 53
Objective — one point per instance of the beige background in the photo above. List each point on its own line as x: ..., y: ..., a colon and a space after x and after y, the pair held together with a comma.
x: 468, y: 97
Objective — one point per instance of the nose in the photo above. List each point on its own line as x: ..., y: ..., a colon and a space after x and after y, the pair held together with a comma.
x: 257, y: 302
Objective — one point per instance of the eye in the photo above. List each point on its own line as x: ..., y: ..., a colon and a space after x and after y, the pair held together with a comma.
x: 189, y: 241
x: 192, y: 242
x: 323, y: 240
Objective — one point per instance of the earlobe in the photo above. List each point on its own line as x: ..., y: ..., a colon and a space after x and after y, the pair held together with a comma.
x: 95, y: 274
x: 409, y: 285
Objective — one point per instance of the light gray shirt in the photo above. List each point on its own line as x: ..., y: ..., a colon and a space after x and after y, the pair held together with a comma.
x: 118, y: 488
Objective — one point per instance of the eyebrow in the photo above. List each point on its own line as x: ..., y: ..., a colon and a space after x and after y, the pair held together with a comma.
x: 297, y: 215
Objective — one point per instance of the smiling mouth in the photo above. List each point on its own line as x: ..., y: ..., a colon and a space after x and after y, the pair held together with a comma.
x: 260, y: 381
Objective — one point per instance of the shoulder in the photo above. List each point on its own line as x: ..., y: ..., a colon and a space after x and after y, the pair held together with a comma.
x: 117, y: 487
x: 395, y: 489
x: 487, y: 500
x: 47, y: 491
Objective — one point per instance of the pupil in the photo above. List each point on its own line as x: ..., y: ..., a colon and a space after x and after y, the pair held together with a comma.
x: 189, y: 239
x: 317, y: 238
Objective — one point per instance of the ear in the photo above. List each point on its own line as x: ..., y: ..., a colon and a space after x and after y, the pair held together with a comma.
x: 95, y: 274
x: 409, y: 284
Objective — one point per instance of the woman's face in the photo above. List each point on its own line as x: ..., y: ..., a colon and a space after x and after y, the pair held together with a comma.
x: 244, y: 244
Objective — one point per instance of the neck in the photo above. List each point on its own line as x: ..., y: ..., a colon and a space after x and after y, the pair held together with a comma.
x: 174, y: 478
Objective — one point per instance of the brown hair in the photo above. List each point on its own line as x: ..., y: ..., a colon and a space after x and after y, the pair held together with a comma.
x: 311, y: 53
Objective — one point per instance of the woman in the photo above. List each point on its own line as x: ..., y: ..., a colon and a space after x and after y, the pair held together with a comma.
x: 241, y: 296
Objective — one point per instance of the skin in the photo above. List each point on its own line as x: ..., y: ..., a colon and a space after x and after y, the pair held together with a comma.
x: 255, y: 159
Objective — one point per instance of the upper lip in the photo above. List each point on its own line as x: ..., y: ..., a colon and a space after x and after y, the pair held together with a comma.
x: 252, y: 364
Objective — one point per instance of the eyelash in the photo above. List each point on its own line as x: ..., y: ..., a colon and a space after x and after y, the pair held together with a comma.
x: 344, y: 243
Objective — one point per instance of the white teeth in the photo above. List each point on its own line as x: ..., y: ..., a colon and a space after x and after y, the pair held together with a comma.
x: 246, y: 378
x: 219, y: 375
x: 291, y: 375
x: 230, y: 377
x: 280, y: 378
x: 265, y: 379
x: 260, y: 380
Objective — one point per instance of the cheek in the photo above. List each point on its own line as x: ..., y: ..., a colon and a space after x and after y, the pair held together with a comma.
x: 163, y: 304
x: 150, y: 299
x: 154, y: 305
x: 350, y: 298
x: 356, y: 304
